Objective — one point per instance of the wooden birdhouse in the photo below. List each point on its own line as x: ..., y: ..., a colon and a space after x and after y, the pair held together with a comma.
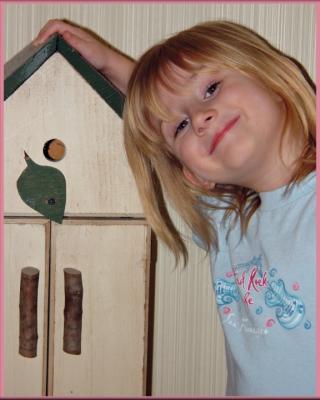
x: 77, y: 246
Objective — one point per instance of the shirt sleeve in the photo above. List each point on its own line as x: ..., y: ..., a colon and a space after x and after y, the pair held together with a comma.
x: 197, y: 240
x: 215, y: 217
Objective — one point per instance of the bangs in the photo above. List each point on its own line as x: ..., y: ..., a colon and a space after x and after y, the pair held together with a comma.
x: 165, y: 77
x: 165, y: 74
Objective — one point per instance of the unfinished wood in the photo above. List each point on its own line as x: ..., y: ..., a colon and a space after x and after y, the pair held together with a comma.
x: 57, y: 103
x: 112, y: 261
x: 25, y: 244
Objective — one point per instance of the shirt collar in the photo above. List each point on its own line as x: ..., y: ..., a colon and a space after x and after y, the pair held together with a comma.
x: 278, y: 197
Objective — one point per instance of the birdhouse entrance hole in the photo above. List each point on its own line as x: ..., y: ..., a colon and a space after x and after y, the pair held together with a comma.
x: 54, y: 150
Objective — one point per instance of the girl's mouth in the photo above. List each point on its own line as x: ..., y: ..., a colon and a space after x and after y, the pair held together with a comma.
x: 220, y: 135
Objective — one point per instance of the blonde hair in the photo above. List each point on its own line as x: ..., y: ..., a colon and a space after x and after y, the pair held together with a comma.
x: 157, y: 171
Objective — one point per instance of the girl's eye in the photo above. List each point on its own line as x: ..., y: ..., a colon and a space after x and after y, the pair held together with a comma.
x: 181, y: 126
x: 211, y: 89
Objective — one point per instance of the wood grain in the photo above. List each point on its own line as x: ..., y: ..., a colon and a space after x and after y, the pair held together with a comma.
x: 28, y: 306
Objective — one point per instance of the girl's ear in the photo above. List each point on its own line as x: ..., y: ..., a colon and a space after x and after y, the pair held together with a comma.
x: 197, y: 181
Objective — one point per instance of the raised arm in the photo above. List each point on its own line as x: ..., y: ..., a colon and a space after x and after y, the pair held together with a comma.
x: 116, y: 66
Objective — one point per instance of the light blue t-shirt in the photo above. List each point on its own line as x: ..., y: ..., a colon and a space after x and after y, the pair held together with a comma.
x: 265, y: 287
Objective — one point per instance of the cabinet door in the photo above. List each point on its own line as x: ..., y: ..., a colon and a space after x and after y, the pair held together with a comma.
x: 113, y: 260
x: 26, y: 244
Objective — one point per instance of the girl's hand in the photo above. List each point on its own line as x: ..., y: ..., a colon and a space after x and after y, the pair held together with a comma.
x: 110, y: 62
x: 85, y: 43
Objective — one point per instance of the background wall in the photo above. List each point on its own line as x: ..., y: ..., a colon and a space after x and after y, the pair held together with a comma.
x: 188, y: 354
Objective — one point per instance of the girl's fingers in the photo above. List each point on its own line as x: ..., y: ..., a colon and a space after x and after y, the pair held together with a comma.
x: 76, y: 42
x: 51, y: 27
x: 58, y: 26
x: 80, y: 40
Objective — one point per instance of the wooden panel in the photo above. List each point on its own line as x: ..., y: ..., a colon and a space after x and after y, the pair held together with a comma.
x: 56, y: 102
x: 112, y: 259
x: 26, y: 244
x: 189, y: 355
x: 134, y: 26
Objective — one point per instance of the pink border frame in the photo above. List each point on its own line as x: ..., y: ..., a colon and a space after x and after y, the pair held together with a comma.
x: 318, y: 195
x: 1, y: 200
x: 2, y: 157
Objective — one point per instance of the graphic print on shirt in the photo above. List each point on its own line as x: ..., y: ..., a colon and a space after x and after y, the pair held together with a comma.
x: 249, y: 283
x: 290, y: 309
x: 226, y: 292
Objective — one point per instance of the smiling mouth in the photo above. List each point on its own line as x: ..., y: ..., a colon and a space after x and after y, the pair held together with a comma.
x: 220, y: 135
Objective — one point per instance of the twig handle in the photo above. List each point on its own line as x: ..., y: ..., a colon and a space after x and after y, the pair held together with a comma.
x: 28, y: 329
x: 72, y: 311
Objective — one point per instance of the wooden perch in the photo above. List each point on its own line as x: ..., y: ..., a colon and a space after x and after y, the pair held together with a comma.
x: 28, y: 335
x: 72, y: 311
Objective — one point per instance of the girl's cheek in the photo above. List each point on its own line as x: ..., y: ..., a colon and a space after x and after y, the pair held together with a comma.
x: 184, y: 149
x: 234, y: 93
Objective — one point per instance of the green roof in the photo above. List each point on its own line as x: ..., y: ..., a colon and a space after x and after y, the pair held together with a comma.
x: 28, y: 60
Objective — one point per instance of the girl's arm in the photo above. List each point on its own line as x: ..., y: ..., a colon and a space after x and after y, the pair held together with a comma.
x: 117, y: 67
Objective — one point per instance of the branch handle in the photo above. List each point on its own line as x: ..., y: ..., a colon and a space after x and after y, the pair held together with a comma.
x: 72, y: 311
x: 28, y: 304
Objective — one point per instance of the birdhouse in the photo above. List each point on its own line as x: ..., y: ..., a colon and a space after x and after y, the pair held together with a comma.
x: 77, y: 246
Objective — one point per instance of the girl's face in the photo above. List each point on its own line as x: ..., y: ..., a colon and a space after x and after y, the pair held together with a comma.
x: 227, y: 129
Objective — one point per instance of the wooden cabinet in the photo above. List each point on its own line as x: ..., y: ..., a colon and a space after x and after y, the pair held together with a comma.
x: 103, y: 235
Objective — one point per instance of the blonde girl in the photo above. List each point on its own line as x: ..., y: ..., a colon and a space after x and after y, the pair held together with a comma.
x: 222, y: 125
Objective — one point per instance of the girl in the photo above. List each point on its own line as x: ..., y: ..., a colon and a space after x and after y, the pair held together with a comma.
x: 224, y: 125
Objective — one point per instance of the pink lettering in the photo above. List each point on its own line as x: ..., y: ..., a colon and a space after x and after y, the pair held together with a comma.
x: 257, y: 283
x: 241, y: 280
x: 248, y: 299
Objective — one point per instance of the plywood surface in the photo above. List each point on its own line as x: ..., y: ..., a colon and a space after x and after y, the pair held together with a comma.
x: 25, y: 245
x: 112, y: 260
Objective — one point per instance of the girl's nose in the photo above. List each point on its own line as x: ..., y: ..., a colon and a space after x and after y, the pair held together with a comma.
x: 203, y: 120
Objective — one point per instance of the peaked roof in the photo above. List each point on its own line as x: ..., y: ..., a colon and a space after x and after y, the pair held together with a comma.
x: 29, y: 59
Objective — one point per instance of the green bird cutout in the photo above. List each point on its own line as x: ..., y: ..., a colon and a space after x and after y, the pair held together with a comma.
x: 43, y: 189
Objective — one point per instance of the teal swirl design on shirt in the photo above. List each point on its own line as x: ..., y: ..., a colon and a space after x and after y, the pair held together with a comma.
x: 290, y: 308
x: 226, y: 292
